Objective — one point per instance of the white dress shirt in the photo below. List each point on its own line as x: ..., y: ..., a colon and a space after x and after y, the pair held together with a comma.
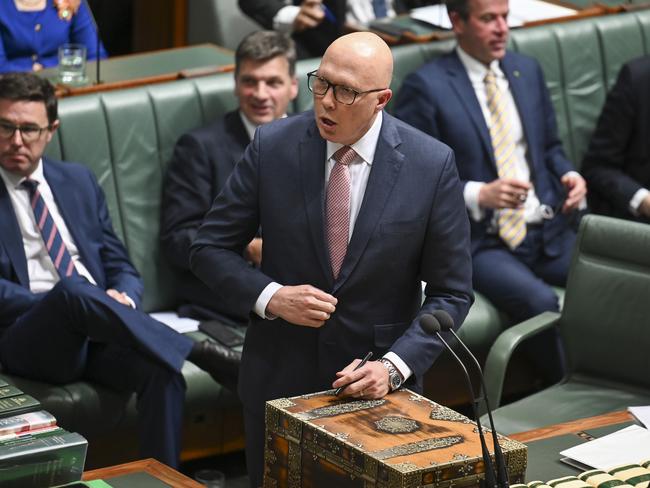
x: 534, y: 212
x: 40, y: 268
x: 359, y: 174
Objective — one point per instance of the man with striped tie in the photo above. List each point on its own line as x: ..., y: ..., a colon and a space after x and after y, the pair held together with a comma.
x: 493, y: 108
x: 69, y: 296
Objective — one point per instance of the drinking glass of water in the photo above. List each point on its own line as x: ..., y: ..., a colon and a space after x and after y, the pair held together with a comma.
x: 72, y: 64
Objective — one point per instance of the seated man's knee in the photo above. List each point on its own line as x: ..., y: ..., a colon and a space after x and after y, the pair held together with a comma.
x: 73, y: 285
x: 543, y: 301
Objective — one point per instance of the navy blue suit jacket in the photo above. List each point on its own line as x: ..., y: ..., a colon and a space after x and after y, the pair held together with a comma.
x: 202, y: 162
x: 412, y: 226
x: 617, y: 163
x: 439, y: 99
x: 83, y: 207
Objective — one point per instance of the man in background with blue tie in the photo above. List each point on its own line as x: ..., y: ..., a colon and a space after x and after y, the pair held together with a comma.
x: 493, y: 108
x: 69, y: 296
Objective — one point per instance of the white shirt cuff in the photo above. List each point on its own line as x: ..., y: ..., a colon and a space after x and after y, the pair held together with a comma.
x: 400, y: 365
x: 131, y: 302
x: 637, y: 199
x: 284, y: 18
x: 264, y: 299
x: 470, y: 194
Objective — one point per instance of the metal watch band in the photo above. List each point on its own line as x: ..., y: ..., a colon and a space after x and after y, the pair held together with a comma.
x: 394, y: 376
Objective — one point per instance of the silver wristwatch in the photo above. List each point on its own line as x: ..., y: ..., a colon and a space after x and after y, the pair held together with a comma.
x: 394, y: 376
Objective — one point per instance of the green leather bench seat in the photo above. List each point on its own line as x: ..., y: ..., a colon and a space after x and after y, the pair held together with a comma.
x: 604, y: 328
x: 127, y: 138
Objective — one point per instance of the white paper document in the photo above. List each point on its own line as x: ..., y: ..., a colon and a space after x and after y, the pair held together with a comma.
x: 642, y: 414
x: 179, y: 324
x: 626, y: 446
x: 521, y: 11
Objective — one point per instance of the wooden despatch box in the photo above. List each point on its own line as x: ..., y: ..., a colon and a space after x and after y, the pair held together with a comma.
x: 403, y: 440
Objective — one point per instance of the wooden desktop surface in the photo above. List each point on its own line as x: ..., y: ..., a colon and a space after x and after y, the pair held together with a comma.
x: 573, y: 426
x: 150, y: 67
x: 546, y: 443
x: 151, y: 467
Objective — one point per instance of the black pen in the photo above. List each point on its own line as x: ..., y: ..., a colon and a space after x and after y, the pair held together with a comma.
x: 363, y: 361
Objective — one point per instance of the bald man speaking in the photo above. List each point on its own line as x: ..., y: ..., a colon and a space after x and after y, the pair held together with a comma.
x: 357, y: 208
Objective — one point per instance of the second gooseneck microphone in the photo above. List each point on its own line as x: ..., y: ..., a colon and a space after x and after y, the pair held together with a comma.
x: 447, y: 324
x: 431, y: 326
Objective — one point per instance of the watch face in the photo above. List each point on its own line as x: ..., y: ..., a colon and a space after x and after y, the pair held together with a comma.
x: 395, y: 381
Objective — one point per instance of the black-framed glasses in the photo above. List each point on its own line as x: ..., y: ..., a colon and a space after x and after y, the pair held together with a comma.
x: 29, y: 133
x: 343, y: 94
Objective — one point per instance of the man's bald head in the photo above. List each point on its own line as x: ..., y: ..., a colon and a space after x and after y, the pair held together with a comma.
x: 364, y: 55
x: 361, y: 64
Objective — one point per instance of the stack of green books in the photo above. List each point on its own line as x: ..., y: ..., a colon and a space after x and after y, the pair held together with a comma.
x: 34, y: 451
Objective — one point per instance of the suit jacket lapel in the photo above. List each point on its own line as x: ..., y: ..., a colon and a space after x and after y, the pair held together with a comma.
x: 12, y: 237
x: 237, y: 131
x: 518, y: 90
x: 383, y: 175
x: 461, y: 84
x: 311, y: 159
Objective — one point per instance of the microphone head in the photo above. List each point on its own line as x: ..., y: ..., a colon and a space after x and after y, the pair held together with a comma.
x: 445, y: 320
x: 429, y: 324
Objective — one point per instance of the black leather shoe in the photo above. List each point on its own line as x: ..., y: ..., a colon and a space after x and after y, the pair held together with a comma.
x: 220, y: 361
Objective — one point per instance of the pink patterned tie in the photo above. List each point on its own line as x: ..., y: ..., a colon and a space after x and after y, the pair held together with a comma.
x: 338, y: 207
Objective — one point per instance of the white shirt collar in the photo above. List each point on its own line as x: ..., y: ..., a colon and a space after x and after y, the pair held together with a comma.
x: 250, y: 126
x: 13, y: 180
x: 476, y: 70
x: 364, y: 147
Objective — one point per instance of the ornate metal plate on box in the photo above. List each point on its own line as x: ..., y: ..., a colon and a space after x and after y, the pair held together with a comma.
x: 401, y: 441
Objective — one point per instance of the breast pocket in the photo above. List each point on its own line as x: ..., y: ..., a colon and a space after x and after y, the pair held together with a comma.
x: 401, y: 227
x: 387, y: 334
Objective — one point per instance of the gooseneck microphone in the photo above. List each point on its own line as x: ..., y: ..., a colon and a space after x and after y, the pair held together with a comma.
x: 431, y: 326
x: 98, y: 41
x: 447, y: 324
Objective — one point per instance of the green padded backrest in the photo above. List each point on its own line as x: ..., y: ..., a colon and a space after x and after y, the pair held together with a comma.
x: 126, y: 137
x: 606, y: 316
x: 580, y: 61
x: 409, y: 57
x: 304, y: 100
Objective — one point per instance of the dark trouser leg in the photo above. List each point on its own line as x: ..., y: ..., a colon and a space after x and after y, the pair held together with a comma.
x: 160, y: 396
x: 514, y: 282
x: 56, y: 330
x: 255, y: 441
x: 51, y: 343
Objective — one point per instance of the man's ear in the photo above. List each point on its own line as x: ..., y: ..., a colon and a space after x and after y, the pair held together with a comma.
x: 383, y: 98
x: 457, y: 23
x: 53, y: 127
x: 294, y: 87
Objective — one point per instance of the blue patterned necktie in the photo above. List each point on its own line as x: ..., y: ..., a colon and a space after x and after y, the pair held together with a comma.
x: 51, y: 236
x: 379, y: 6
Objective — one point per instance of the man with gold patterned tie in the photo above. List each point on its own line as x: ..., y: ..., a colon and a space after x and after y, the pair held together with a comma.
x: 493, y: 108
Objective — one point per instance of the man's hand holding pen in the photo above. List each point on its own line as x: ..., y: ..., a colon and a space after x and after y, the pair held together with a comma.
x: 369, y: 381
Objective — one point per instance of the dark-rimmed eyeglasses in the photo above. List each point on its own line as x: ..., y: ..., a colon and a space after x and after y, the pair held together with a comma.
x: 343, y: 94
x: 29, y: 133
